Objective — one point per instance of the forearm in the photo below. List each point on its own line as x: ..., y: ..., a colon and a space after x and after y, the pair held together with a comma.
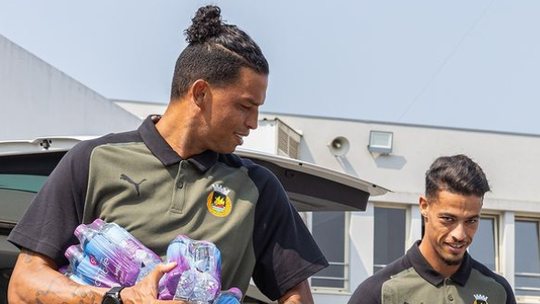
x: 300, y: 294
x: 35, y: 280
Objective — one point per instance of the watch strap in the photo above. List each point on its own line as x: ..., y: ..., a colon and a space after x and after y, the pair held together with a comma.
x: 114, y: 293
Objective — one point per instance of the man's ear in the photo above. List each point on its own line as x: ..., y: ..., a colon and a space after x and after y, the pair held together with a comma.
x: 199, y: 92
x: 424, y: 206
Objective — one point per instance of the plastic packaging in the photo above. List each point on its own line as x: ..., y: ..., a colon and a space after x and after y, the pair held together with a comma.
x: 118, y: 235
x: 231, y: 296
x: 196, y: 278
x: 108, y: 255
x: 85, y: 271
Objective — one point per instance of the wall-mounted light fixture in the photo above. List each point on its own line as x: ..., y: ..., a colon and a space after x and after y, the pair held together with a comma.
x: 380, y: 142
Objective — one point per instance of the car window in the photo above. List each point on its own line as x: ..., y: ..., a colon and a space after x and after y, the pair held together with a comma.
x: 16, y: 192
x: 22, y: 182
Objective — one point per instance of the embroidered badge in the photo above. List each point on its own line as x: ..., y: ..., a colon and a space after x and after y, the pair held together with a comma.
x: 480, y: 299
x: 218, y: 202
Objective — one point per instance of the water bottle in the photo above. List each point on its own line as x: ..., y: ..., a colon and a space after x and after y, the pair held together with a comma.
x: 231, y: 296
x: 205, y: 289
x: 101, y: 251
x: 207, y: 269
x: 64, y: 269
x: 67, y: 270
x: 118, y: 235
x: 196, y: 278
x: 80, y: 281
x: 178, y: 251
x: 85, y: 272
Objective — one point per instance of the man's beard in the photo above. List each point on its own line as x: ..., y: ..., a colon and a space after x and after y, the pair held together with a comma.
x: 451, y: 262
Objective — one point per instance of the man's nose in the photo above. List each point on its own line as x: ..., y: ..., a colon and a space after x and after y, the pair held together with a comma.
x: 253, y: 119
x: 459, y: 234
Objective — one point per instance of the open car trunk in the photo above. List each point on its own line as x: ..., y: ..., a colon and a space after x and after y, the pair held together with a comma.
x: 25, y: 165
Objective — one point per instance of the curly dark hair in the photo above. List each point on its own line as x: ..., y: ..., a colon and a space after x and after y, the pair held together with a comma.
x: 216, y: 52
x: 457, y: 174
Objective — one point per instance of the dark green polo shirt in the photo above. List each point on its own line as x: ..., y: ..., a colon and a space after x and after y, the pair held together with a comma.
x: 136, y: 180
x: 411, y: 280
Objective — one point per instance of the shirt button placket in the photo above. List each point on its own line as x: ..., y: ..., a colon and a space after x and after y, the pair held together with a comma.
x: 179, y: 197
x: 181, y: 179
x: 448, y: 289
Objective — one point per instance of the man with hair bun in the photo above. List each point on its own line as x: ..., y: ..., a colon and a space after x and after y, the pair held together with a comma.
x: 438, y: 268
x: 176, y: 174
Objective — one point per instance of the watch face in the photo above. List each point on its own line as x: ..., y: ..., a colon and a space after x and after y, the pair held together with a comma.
x: 110, y: 299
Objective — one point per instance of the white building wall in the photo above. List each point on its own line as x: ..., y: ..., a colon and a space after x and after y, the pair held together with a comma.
x: 505, y: 158
x: 507, y: 248
x: 36, y: 100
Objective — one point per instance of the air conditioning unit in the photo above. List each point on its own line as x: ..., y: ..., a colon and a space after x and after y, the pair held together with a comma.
x: 275, y: 137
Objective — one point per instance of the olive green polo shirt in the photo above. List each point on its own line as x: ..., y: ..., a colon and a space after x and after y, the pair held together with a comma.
x: 411, y: 280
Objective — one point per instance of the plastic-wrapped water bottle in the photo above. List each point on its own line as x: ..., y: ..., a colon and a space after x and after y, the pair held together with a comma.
x: 118, y: 235
x: 231, y: 296
x: 64, y: 269
x: 196, y: 278
x: 178, y: 251
x: 101, y: 251
x: 82, y: 270
x: 205, y: 289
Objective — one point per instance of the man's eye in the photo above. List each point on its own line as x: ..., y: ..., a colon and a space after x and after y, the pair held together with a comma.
x: 472, y: 221
x: 447, y: 219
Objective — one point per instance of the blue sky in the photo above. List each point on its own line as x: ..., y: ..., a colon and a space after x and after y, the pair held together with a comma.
x: 466, y: 64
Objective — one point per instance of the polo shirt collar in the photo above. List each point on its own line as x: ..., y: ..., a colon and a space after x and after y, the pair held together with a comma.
x: 422, y: 267
x: 165, y: 153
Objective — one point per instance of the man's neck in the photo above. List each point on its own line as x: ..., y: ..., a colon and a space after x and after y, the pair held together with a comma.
x: 179, y: 131
x: 435, y: 261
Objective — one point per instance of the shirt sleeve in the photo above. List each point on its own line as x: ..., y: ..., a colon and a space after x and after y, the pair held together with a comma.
x: 47, y: 225
x: 368, y: 292
x: 285, y: 251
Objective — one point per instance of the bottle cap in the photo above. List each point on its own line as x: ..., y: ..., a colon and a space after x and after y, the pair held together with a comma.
x: 79, y: 230
x: 74, y: 252
x: 97, y: 224
x: 237, y: 293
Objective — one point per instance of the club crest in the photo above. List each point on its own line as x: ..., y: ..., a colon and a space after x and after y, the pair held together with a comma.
x: 218, y: 202
x: 480, y: 299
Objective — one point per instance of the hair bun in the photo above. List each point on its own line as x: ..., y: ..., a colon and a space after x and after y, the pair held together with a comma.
x: 206, y: 24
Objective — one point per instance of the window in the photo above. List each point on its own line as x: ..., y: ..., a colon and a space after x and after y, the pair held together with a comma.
x: 329, y: 231
x: 16, y: 192
x: 390, y: 224
x: 485, y: 245
x: 527, y: 257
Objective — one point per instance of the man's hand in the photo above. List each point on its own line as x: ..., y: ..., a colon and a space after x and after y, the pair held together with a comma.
x: 300, y: 294
x: 146, y: 290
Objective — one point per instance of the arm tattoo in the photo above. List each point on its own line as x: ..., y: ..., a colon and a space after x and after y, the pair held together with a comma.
x: 54, y: 293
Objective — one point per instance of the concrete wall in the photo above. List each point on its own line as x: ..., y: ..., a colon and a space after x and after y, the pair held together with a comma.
x: 507, y: 159
x: 37, y: 99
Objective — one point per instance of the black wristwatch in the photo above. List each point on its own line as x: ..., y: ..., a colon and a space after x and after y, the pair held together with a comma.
x: 112, y: 296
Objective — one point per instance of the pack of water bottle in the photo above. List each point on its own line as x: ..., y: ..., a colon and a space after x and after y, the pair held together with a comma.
x: 110, y: 256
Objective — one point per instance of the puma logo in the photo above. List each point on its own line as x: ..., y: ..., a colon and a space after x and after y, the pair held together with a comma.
x: 129, y: 180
